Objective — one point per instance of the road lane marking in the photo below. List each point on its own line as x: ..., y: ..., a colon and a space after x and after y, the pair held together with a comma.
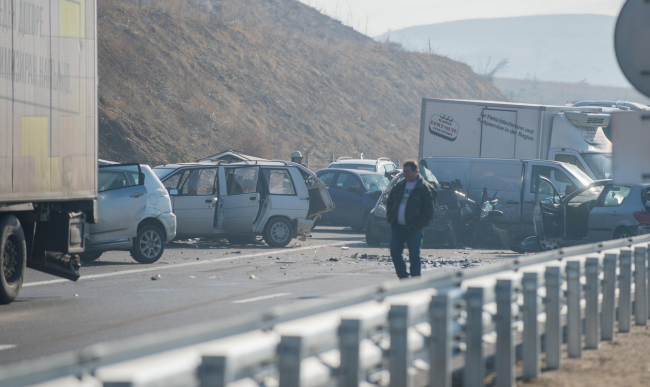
x: 186, y: 264
x: 6, y: 346
x: 246, y: 301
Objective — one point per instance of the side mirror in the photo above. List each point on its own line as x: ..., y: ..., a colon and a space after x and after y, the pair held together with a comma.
x: 353, y: 190
x: 173, y: 192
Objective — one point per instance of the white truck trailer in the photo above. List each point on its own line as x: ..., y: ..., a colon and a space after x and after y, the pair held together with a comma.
x: 48, y: 137
x: 517, y: 131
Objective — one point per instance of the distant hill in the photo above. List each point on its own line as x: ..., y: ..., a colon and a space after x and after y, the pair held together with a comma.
x: 183, y: 79
x: 559, y: 48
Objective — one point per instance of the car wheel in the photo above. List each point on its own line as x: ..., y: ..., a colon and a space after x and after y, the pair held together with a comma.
x: 149, y: 245
x: 623, y: 233
x: 90, y: 257
x: 278, y: 232
x: 13, y: 254
x: 547, y: 244
x: 371, y: 239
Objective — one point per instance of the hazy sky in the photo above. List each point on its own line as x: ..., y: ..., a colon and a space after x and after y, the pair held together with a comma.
x: 374, y: 17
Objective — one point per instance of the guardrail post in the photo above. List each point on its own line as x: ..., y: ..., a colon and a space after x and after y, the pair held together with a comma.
x: 574, y: 315
x: 640, y: 283
x: 474, y: 371
x: 290, y: 355
x: 505, y: 354
x: 532, y: 339
x: 625, y: 291
x: 553, y: 306
x: 440, y: 347
x: 214, y: 371
x: 608, y: 314
x: 592, y: 293
x: 350, y: 336
x: 399, y: 357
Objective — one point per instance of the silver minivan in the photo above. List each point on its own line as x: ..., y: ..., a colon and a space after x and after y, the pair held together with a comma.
x: 134, y: 213
x: 511, y: 180
x: 239, y: 200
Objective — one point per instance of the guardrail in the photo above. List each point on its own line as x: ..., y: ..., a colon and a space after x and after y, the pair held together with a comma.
x: 458, y: 326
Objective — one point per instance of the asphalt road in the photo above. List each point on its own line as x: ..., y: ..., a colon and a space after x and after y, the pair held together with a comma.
x: 116, y: 297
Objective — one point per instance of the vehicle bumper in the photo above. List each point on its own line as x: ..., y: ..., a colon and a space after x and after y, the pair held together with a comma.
x: 169, y: 221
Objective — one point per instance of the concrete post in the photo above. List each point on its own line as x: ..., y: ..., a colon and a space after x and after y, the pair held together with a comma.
x: 625, y: 291
x: 592, y: 293
x: 553, y: 336
x: 474, y: 371
x: 640, y: 284
x: 574, y: 318
x: 532, y: 339
x: 608, y: 315
x: 505, y: 354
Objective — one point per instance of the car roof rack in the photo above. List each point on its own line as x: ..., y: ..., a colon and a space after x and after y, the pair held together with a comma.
x: 344, y: 158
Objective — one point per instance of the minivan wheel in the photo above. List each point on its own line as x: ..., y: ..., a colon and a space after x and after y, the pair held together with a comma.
x: 149, y: 245
x: 278, y: 232
x: 13, y: 257
x: 548, y: 244
x: 90, y: 257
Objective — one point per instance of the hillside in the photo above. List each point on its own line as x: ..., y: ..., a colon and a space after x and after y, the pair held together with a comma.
x: 182, y: 79
x: 558, y: 48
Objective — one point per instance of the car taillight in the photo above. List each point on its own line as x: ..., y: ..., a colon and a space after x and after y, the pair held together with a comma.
x: 642, y: 217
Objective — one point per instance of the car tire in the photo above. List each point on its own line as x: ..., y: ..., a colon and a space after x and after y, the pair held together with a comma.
x: 149, y: 245
x: 371, y: 239
x: 90, y: 257
x: 548, y: 244
x: 13, y: 258
x: 278, y: 232
x: 623, y: 233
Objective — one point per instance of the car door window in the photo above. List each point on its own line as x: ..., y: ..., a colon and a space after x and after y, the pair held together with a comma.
x: 345, y: 181
x: 615, y: 196
x: 279, y: 182
x: 172, y: 182
x: 199, y: 182
x: 116, y: 177
x: 547, y: 193
x: 326, y: 178
x: 241, y: 181
x: 561, y: 181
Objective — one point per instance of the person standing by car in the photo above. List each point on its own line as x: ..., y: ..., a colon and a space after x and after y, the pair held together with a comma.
x: 410, y: 208
x: 296, y: 157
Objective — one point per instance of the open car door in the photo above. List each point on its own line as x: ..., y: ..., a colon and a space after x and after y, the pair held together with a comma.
x: 319, y: 198
x: 548, y: 215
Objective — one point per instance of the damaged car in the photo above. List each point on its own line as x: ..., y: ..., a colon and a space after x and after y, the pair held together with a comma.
x: 599, y: 211
x: 278, y: 200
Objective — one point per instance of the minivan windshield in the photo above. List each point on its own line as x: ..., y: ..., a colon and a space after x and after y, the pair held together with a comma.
x: 600, y: 164
x: 582, y: 177
x: 162, y: 172
x: 375, y: 182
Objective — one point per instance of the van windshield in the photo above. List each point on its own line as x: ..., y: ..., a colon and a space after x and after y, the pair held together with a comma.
x: 582, y: 177
x: 600, y: 164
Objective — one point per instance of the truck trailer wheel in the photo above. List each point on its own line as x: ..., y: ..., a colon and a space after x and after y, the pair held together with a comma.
x: 13, y: 254
x: 149, y: 245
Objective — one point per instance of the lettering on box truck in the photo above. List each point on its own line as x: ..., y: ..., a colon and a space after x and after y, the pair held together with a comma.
x: 444, y: 126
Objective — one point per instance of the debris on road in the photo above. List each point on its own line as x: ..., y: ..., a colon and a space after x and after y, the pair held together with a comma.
x: 253, y: 277
x: 192, y: 276
x: 334, y: 259
x: 233, y: 252
x: 155, y: 277
x: 345, y: 248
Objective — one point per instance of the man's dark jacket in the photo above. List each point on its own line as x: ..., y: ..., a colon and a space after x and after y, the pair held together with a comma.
x: 420, y: 207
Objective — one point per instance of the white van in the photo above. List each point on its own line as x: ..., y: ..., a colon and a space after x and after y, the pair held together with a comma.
x: 276, y: 199
x: 513, y: 182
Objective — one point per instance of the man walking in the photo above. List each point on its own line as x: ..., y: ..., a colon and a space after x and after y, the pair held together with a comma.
x: 410, y: 208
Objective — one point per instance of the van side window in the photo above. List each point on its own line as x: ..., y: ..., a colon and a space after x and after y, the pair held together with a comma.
x: 241, y: 181
x: 199, y: 182
x: 570, y: 159
x: 172, y: 182
x: 504, y: 177
x: 561, y: 181
x: 279, y: 181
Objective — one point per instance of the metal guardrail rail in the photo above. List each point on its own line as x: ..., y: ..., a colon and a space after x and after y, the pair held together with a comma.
x: 458, y: 326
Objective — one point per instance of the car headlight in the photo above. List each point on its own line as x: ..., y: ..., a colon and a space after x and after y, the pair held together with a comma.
x: 380, y: 211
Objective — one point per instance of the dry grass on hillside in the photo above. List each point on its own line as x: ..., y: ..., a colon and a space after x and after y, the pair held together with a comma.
x: 181, y: 79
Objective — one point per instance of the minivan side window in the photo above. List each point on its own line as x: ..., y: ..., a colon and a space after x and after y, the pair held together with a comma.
x: 240, y: 181
x: 200, y: 182
x: 501, y: 176
x: 570, y: 159
x: 109, y: 178
x: 172, y: 182
x: 279, y: 181
x: 556, y: 176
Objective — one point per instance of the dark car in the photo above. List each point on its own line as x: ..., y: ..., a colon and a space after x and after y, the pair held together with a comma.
x: 354, y: 193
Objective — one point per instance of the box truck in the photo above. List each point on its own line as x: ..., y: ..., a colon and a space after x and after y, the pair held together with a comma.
x: 503, y: 130
x: 48, y: 137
